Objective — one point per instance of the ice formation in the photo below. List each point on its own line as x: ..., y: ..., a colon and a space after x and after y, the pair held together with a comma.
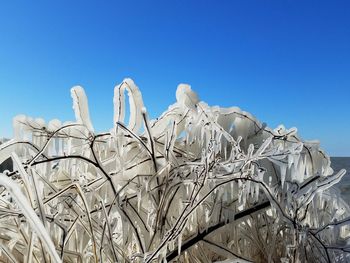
x: 197, y: 184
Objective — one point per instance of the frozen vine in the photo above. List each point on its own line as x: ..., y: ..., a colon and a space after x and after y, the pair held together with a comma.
x: 198, y: 184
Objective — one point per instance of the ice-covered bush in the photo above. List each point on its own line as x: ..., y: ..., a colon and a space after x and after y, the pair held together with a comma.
x: 197, y: 184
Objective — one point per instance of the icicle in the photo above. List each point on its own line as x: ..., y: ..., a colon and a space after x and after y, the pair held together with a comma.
x: 283, y: 173
x: 139, y: 196
x: 290, y: 160
x: 179, y: 244
x: 232, y: 189
x: 257, y: 187
x: 187, y: 187
x: 206, y: 217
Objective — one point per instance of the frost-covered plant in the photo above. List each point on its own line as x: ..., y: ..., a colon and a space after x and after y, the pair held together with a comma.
x: 197, y: 184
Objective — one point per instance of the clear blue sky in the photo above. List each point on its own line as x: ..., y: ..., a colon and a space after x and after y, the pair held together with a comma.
x: 284, y: 61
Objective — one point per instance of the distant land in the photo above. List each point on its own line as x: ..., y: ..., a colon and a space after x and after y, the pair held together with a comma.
x: 337, y: 164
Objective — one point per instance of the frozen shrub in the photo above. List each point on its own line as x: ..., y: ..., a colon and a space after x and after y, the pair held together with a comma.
x: 197, y: 184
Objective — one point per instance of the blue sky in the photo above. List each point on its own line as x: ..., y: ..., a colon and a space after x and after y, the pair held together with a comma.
x: 284, y: 61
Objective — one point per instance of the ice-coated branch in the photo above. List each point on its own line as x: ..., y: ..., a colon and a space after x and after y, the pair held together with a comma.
x: 81, y: 108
